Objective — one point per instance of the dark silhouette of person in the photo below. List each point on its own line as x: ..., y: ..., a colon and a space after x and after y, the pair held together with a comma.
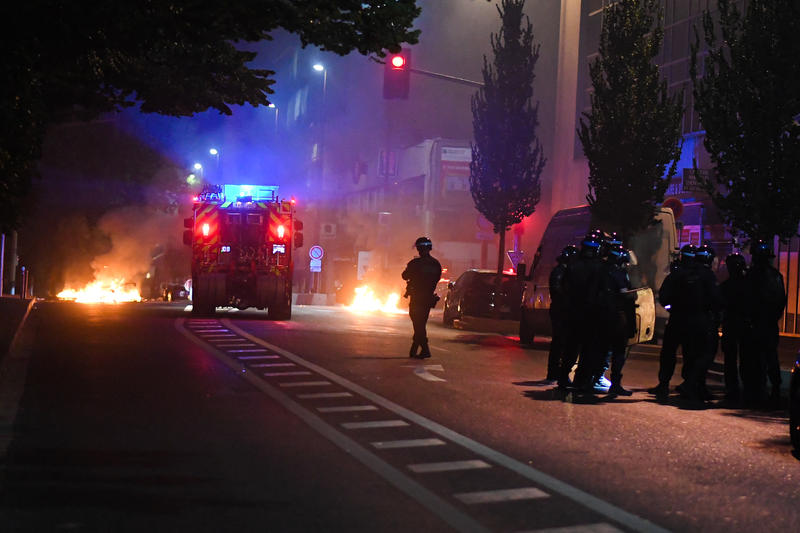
x: 734, y: 294
x: 766, y: 299
x: 621, y: 321
x: 421, y: 274
x: 559, y: 311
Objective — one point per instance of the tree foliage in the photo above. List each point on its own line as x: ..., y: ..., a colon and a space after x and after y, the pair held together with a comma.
x: 632, y: 135
x: 747, y: 93
x: 66, y: 59
x: 507, y: 158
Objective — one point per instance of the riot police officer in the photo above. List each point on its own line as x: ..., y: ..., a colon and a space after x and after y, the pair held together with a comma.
x: 705, y: 258
x: 422, y: 274
x: 733, y: 293
x: 620, y: 322
x: 766, y: 299
x: 672, y: 331
x: 559, y: 311
x: 582, y: 283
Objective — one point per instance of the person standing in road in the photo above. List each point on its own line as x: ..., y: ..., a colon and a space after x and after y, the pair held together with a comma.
x: 421, y: 274
x: 559, y: 311
x: 766, y: 299
x: 621, y: 321
x: 733, y: 292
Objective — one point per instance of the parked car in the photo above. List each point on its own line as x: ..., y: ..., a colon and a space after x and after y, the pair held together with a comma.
x: 794, y: 405
x: 473, y: 294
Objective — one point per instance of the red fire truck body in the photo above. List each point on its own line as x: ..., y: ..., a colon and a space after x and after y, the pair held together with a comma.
x: 242, y: 239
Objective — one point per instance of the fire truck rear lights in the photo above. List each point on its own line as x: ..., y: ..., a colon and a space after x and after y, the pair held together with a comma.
x: 225, y: 249
x: 281, y: 231
x: 206, y: 230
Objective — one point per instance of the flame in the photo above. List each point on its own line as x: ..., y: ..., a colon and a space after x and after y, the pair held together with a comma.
x: 366, y: 301
x: 106, y: 292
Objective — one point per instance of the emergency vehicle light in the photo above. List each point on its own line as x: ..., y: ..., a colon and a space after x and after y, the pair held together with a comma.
x: 268, y: 193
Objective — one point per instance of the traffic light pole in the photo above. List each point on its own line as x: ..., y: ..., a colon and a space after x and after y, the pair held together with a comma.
x: 446, y: 77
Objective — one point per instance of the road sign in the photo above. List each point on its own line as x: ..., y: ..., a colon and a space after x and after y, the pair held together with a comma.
x: 316, y: 252
x: 515, y: 257
x: 315, y: 265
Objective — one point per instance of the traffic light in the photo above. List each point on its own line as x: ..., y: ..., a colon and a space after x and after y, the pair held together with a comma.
x: 298, y: 234
x: 396, y: 73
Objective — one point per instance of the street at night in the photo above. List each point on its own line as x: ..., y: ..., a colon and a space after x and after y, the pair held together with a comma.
x: 143, y: 416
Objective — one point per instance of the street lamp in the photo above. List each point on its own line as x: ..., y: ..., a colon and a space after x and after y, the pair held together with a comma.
x: 273, y: 106
x: 319, y: 67
x: 214, y: 152
x: 198, y: 169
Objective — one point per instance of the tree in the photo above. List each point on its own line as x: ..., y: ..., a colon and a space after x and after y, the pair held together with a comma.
x: 631, y: 137
x: 507, y: 158
x: 747, y: 93
x: 65, y: 59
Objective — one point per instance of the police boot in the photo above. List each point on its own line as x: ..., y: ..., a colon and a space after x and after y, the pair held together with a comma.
x: 660, y: 391
x: 616, y: 388
x: 413, y: 351
x: 425, y: 352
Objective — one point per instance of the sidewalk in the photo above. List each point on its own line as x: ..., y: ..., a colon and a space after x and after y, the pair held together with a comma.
x: 13, y: 311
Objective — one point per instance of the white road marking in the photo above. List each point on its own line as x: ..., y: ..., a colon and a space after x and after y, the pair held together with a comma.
x: 375, y: 424
x: 448, y: 466
x: 256, y: 357
x: 602, y: 527
x: 218, y: 336
x: 247, y: 350
x: 324, y: 395
x: 502, y: 495
x: 211, y: 330
x: 408, y: 443
x: 304, y: 384
x: 347, y: 409
x: 273, y: 365
x: 439, y: 506
x: 298, y: 373
x: 234, y: 345
x: 422, y: 371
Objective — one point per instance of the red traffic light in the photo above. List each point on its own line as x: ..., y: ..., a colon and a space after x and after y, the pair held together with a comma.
x: 398, y: 61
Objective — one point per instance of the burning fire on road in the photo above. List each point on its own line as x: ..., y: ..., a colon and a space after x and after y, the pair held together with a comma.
x: 107, y: 292
x: 366, y: 301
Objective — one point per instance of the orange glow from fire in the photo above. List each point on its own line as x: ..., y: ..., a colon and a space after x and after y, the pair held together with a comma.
x: 106, y: 292
x: 366, y: 301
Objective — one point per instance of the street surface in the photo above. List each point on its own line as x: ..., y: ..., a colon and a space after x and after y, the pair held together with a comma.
x: 144, y: 417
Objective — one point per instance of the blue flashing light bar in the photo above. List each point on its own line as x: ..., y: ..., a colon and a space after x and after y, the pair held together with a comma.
x: 257, y: 192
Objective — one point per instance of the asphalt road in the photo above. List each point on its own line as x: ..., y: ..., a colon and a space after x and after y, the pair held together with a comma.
x: 142, y: 416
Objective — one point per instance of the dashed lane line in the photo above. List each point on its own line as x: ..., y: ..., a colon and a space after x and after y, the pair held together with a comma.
x: 547, y: 481
x: 502, y: 495
x: 375, y: 424
x: 407, y: 443
x: 437, y: 505
x: 448, y: 466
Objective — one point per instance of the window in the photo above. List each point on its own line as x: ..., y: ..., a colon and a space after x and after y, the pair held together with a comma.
x: 254, y: 219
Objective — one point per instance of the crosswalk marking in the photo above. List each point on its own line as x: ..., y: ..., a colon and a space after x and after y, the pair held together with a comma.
x: 304, y: 383
x: 245, y: 350
x: 601, y: 527
x: 408, y: 443
x: 324, y: 395
x: 233, y: 344
x: 375, y: 424
x: 296, y: 373
x: 256, y: 357
x: 347, y: 409
x: 273, y: 365
x: 502, y: 495
x: 448, y: 466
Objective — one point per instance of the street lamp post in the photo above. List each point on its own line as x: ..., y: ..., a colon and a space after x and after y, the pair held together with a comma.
x: 273, y: 106
x: 319, y: 67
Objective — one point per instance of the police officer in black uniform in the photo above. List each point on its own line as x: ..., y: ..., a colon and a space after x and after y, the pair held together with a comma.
x: 620, y: 322
x: 705, y: 258
x: 559, y: 311
x: 668, y: 357
x: 766, y: 299
x: 583, y: 281
x: 733, y: 293
x: 421, y: 274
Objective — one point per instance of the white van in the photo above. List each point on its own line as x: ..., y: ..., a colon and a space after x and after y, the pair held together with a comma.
x: 652, y: 250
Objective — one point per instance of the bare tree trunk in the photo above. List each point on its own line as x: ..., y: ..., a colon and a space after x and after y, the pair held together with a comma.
x: 498, y: 282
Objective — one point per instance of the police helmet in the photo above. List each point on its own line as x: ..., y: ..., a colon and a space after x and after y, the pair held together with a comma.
x: 619, y: 255
x: 612, y: 239
x: 736, y: 264
x: 705, y: 255
x: 688, y: 254
x: 591, y: 240
x: 760, y: 249
x: 567, y: 253
x: 423, y: 243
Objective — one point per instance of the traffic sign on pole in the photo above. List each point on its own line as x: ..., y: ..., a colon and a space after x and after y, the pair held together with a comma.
x: 316, y: 252
x: 515, y: 257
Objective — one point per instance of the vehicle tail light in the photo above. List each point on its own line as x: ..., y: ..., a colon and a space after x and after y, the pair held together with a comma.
x: 281, y: 231
x: 206, y: 229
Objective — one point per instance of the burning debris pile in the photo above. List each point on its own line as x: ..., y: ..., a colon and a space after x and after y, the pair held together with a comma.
x: 366, y: 301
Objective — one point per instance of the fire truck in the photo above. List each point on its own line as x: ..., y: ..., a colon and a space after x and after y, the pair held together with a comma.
x: 242, y: 239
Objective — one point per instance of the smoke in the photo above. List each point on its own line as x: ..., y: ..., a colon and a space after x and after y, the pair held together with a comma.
x: 134, y: 233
